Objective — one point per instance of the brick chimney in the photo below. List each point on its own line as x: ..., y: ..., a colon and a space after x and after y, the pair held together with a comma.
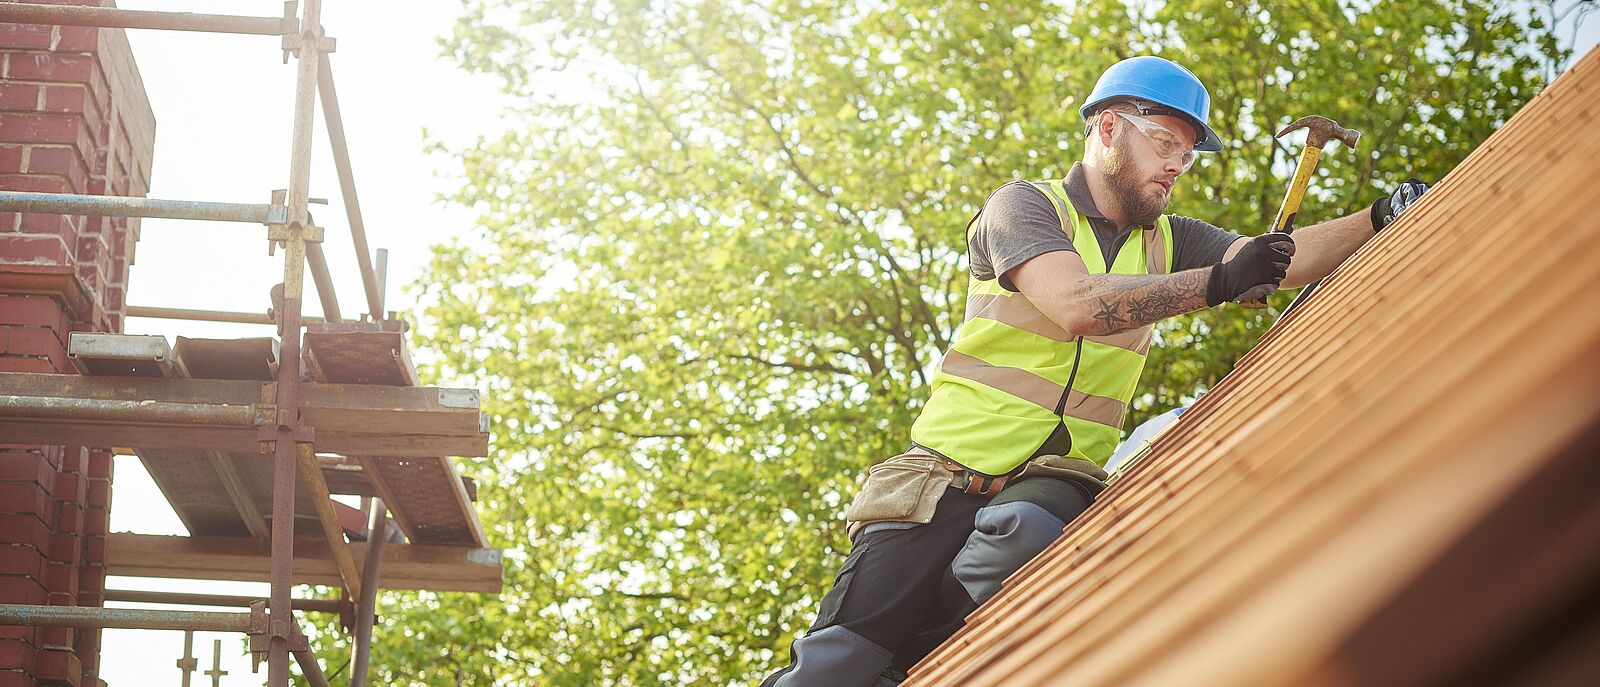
x: 74, y: 118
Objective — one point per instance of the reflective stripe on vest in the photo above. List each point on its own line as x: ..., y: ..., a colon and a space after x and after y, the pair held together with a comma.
x: 1003, y: 386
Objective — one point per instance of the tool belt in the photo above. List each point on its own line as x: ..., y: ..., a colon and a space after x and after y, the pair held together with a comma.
x: 907, y: 487
x: 975, y: 483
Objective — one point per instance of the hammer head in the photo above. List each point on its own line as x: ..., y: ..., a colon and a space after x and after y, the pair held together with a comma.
x: 1322, y: 130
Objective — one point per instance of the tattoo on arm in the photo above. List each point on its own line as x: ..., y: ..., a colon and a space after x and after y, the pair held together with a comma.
x: 1125, y: 302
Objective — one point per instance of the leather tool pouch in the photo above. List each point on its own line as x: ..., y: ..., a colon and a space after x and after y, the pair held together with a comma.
x: 905, y: 488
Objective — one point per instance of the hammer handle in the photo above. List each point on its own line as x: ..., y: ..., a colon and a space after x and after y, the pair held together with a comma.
x: 1284, y: 222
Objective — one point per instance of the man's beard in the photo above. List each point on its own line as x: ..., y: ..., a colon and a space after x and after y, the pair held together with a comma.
x: 1132, y: 188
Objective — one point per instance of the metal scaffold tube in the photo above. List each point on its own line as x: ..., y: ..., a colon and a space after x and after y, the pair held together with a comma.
x: 347, y: 185
x: 124, y: 206
x: 152, y: 597
x: 287, y: 433
x: 152, y: 412
x: 111, y: 17
x: 123, y: 618
x: 207, y: 315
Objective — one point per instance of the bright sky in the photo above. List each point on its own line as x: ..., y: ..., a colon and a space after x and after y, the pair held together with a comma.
x: 223, y: 105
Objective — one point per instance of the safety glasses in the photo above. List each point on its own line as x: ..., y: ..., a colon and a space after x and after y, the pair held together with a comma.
x: 1168, y: 144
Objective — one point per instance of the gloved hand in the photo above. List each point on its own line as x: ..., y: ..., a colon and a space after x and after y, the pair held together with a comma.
x: 1254, y: 273
x: 1386, y: 210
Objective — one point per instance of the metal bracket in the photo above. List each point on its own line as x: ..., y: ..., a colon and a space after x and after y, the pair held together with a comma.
x: 291, y: 45
x: 269, y: 434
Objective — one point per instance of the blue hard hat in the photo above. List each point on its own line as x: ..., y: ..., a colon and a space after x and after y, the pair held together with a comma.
x: 1163, y: 82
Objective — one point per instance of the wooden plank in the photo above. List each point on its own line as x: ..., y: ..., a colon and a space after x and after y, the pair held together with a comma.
x: 405, y: 566
x: 427, y: 497
x: 348, y: 418
x: 333, y: 534
x: 230, y: 440
x: 245, y: 359
x: 375, y: 357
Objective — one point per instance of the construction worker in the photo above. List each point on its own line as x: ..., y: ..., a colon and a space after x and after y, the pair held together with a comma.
x: 1066, y: 278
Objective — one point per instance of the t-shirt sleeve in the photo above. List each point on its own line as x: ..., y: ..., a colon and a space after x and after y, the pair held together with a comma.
x: 1017, y: 224
x: 1197, y: 243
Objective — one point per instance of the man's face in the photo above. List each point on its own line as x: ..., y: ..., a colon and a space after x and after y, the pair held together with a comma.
x: 1140, y: 176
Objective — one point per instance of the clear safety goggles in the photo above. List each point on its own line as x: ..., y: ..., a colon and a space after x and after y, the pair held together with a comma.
x: 1167, y: 143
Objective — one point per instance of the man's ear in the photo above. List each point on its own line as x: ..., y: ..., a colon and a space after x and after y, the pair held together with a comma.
x: 1104, y: 127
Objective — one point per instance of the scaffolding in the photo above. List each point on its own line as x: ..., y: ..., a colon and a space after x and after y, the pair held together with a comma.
x: 326, y: 386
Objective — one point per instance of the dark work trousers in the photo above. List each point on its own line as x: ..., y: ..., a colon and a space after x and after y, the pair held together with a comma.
x: 906, y: 588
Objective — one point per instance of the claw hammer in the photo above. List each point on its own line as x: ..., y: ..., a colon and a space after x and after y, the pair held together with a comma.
x: 1320, y: 131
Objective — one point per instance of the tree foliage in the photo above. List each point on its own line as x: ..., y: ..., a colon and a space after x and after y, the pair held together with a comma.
x: 720, y: 250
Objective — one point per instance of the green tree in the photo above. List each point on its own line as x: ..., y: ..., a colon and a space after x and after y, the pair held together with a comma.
x: 707, y: 292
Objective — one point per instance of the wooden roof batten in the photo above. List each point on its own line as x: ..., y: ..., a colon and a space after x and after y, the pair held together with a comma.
x: 1290, y: 518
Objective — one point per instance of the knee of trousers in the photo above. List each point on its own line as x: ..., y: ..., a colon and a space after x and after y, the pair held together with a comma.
x: 833, y: 656
x: 1005, y: 537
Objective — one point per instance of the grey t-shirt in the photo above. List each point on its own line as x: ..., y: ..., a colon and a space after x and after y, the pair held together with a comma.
x: 1019, y: 223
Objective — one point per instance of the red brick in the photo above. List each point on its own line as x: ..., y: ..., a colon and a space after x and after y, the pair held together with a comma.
x: 94, y: 550
x: 25, y: 499
x: 66, y: 548
x: 17, y: 559
x: 20, y: 589
x: 17, y: 466
x: 60, y: 599
x: 36, y: 36
x: 19, y: 97
x: 69, y: 518
x: 73, y: 99
x: 15, y: 678
x: 101, y: 464
x: 62, y: 161
x: 61, y: 577
x: 38, y: 311
x: 30, y: 365
x: 96, y: 521
x: 18, y: 528
x: 34, y: 341
x: 74, y: 459
x: 63, y: 129
x: 10, y: 159
x: 78, y: 38
x: 33, y: 183
x: 34, y: 249
x: 98, y: 492
x: 92, y: 578
x: 63, y: 226
x: 56, y: 637
x: 58, y: 667
x: 15, y: 653
x: 9, y: 221
x: 68, y: 487
x: 50, y: 66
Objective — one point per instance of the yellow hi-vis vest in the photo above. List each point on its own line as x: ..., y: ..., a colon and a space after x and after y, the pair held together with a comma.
x: 1012, y: 375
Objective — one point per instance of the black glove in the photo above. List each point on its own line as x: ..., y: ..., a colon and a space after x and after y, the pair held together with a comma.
x: 1254, y: 273
x: 1386, y: 210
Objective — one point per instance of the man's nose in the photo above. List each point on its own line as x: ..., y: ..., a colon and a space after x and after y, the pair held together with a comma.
x: 1171, y: 166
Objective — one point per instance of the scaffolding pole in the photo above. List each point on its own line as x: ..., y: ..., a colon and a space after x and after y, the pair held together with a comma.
x: 126, y: 206
x: 334, y: 123
x: 367, y: 607
x: 188, y: 599
x: 288, y: 432
x: 126, y: 618
x: 208, y: 315
x: 110, y: 17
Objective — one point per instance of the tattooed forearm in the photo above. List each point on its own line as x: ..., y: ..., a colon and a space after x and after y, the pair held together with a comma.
x: 1124, y: 302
